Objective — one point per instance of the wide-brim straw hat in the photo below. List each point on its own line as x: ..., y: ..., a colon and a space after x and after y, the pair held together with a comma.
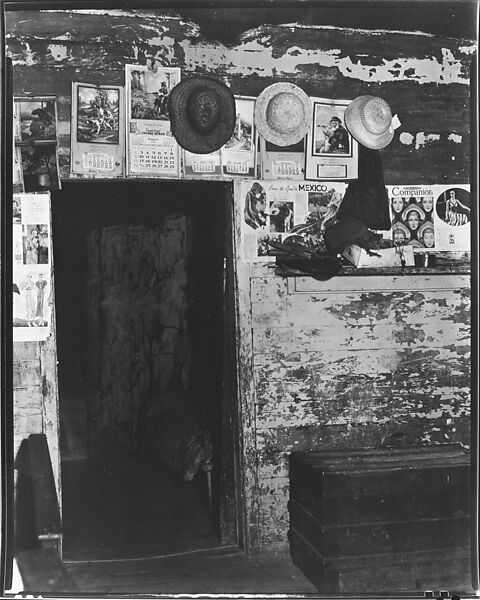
x: 202, y: 114
x: 369, y: 120
x: 283, y: 114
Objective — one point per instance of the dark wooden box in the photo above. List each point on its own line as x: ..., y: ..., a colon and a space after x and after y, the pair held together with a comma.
x: 386, y: 520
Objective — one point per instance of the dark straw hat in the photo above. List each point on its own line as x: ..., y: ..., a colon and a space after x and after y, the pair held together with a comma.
x: 202, y: 114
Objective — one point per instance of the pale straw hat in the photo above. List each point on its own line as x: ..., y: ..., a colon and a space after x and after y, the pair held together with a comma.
x: 283, y: 114
x: 369, y: 120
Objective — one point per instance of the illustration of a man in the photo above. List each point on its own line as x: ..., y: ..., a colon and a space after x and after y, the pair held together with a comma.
x: 161, y: 101
x: 336, y: 138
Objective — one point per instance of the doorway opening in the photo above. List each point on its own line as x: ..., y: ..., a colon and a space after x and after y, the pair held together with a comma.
x: 145, y: 383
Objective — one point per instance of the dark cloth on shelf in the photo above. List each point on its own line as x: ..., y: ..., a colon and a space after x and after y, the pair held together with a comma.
x: 348, y: 231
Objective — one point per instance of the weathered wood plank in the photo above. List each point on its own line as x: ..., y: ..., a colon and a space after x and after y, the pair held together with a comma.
x: 357, y: 282
x: 292, y: 345
x: 399, y: 56
x: 245, y: 409
x: 271, y: 286
x: 363, y: 308
x: 275, y: 444
x: 26, y: 374
x: 357, y: 398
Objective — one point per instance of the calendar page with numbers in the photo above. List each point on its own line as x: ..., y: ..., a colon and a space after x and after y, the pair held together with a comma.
x: 282, y: 162
x: 152, y: 151
x: 98, y: 130
x: 238, y: 154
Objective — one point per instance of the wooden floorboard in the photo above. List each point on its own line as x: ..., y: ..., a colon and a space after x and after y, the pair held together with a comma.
x: 130, y: 507
x: 216, y: 571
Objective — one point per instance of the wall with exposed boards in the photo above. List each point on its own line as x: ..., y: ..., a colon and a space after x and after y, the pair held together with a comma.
x: 424, y: 78
x: 353, y: 362
x: 343, y: 364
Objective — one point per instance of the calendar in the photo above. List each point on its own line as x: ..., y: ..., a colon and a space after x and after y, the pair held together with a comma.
x: 98, y: 130
x: 151, y: 148
x: 238, y: 154
x: 202, y: 165
x: 154, y: 159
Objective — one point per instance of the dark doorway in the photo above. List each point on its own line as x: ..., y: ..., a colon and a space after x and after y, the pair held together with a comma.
x: 141, y: 325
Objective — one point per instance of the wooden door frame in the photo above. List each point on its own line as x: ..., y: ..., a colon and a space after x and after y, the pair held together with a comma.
x: 243, y: 413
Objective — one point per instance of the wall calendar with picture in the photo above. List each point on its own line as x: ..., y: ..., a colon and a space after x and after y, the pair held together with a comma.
x: 98, y: 130
x: 151, y: 148
x: 332, y: 153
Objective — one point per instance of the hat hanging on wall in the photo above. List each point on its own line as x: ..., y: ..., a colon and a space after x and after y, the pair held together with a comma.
x: 369, y: 120
x: 202, y: 114
x: 283, y: 114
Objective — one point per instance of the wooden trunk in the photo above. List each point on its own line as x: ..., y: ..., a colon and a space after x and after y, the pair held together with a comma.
x: 386, y: 520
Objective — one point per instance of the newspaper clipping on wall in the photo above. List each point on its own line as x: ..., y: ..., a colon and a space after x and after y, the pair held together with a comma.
x: 31, y: 267
x: 151, y: 148
x: 97, y: 130
x: 282, y: 211
x: 332, y: 153
x: 431, y: 218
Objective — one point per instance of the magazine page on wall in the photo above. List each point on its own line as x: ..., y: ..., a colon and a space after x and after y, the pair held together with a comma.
x: 97, y: 130
x: 151, y: 148
x: 31, y: 267
x: 453, y: 217
x: 432, y: 218
x: 283, y: 211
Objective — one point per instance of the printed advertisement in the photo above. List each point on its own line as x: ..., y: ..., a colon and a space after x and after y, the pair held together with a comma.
x: 35, y: 138
x: 453, y: 217
x: 332, y: 153
x: 151, y: 148
x: 202, y: 165
x: 431, y: 218
x: 31, y: 267
x: 413, y: 216
x: 279, y: 162
x: 282, y: 211
x: 238, y: 154
x: 97, y: 130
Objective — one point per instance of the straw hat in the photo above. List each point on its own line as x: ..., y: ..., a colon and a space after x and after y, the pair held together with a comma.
x: 202, y: 114
x: 283, y: 114
x: 369, y: 120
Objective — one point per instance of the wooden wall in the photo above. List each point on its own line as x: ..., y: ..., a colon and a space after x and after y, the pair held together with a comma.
x: 424, y: 78
x: 323, y: 367
x: 355, y: 362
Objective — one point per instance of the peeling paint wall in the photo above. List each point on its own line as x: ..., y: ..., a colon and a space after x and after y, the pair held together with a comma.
x: 349, y: 370
x: 319, y: 369
x: 424, y: 78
